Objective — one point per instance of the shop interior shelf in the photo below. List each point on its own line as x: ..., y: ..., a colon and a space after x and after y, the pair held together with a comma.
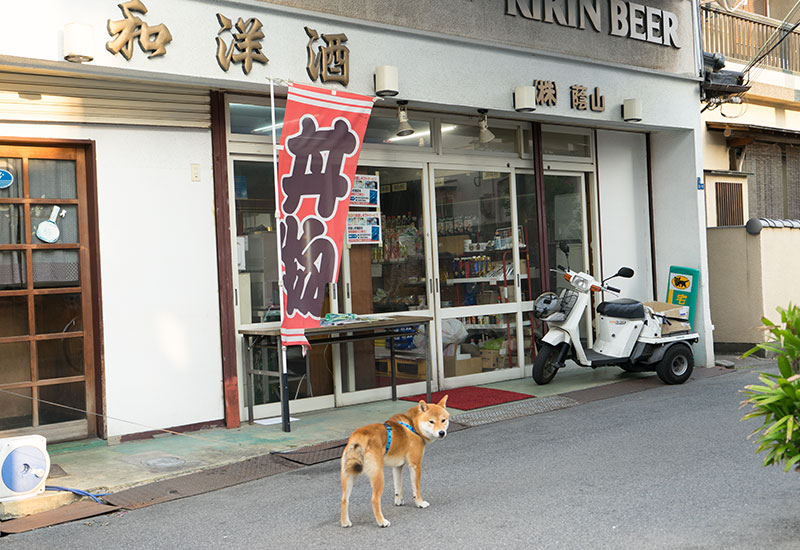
x: 495, y: 326
x: 490, y: 280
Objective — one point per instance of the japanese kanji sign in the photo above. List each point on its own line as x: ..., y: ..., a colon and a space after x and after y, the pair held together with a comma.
x: 331, y: 63
x: 246, y: 41
x: 152, y: 38
x: 321, y: 140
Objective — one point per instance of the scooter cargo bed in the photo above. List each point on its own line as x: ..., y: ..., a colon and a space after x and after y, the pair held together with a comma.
x: 674, y: 337
x: 600, y: 360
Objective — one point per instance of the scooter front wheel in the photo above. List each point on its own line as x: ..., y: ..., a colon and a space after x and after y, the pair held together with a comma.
x: 545, y: 366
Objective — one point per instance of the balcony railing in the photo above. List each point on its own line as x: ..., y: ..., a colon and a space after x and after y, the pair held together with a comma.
x: 739, y: 36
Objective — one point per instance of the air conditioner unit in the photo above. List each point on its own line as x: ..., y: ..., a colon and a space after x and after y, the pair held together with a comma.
x: 24, y: 466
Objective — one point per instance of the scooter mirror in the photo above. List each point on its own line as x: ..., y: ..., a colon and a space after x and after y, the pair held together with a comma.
x: 626, y: 272
x: 564, y: 247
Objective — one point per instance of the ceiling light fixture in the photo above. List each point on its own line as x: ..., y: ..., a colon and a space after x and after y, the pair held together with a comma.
x: 78, y: 43
x: 484, y: 134
x: 403, y: 127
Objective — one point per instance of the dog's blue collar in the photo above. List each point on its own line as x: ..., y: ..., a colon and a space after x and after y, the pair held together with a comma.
x: 389, y: 433
x: 409, y: 427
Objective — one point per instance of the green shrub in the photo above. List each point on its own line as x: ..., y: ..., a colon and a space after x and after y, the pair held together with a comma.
x: 778, y: 399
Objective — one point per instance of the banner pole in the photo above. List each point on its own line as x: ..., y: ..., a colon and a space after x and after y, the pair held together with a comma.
x: 284, y: 376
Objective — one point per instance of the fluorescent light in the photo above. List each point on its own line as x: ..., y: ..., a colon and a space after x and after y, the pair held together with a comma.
x: 269, y: 128
x: 423, y: 134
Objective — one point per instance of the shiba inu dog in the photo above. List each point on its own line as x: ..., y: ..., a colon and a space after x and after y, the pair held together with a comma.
x: 399, y: 441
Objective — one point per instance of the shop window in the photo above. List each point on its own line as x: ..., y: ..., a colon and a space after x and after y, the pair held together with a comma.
x: 391, y: 276
x: 475, y: 237
x: 466, y: 137
x: 382, y: 129
x: 527, y: 213
x: 479, y: 343
x: 569, y: 146
x: 256, y: 241
x: 255, y: 120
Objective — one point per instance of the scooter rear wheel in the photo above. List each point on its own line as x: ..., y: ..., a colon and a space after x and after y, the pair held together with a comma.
x: 545, y: 366
x: 677, y: 364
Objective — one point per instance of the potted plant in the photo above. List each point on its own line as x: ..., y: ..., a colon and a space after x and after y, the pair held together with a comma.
x: 777, y: 398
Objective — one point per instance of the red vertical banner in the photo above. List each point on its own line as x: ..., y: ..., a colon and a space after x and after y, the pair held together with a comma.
x: 320, y: 144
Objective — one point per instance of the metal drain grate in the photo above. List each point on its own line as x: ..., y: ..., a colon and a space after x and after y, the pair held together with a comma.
x: 200, y: 482
x: 514, y: 410
x: 314, y: 454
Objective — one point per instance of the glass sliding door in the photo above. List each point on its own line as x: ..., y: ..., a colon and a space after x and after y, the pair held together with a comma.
x: 531, y: 281
x: 391, y: 277
x: 46, y: 326
x: 566, y: 215
x: 310, y: 376
x: 477, y: 278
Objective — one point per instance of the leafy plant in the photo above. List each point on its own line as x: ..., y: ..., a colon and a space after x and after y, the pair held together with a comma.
x: 778, y: 399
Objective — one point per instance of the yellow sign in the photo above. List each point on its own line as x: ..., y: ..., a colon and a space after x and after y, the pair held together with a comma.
x: 680, y: 282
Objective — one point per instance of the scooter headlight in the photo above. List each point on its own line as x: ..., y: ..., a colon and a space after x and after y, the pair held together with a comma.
x: 580, y: 283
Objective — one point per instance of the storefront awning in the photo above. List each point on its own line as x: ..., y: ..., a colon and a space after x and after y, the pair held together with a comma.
x: 739, y: 130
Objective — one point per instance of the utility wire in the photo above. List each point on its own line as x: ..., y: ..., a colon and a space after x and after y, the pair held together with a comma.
x: 152, y: 428
x: 773, y: 41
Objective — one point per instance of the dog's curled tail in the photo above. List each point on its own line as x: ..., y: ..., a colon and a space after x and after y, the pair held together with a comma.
x: 354, y: 458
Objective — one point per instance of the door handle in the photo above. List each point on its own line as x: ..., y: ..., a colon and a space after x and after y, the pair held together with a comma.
x: 437, y: 285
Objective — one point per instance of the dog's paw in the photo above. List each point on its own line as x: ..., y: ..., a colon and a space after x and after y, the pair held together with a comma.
x: 398, y: 501
x: 422, y: 504
x: 347, y: 523
x: 386, y: 523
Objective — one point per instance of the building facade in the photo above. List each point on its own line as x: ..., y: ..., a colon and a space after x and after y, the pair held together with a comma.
x: 160, y: 151
x: 752, y: 168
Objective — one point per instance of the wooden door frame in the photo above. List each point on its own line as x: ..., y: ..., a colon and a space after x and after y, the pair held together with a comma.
x: 91, y: 252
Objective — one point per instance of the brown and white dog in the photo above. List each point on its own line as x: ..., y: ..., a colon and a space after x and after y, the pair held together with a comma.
x: 399, y: 441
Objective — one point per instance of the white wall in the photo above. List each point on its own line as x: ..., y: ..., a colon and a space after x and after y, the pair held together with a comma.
x: 679, y: 223
x: 624, y: 211
x: 159, y: 273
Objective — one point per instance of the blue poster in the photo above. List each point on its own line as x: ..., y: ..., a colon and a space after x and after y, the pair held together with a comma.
x: 6, y: 179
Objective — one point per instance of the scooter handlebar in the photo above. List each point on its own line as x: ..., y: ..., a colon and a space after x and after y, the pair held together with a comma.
x: 612, y: 289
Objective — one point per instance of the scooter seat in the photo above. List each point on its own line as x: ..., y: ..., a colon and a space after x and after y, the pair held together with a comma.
x: 624, y: 308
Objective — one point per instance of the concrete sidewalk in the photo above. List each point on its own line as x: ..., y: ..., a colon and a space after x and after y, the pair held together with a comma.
x: 96, y: 467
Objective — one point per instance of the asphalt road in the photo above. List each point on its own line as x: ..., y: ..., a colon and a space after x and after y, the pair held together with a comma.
x: 669, y: 467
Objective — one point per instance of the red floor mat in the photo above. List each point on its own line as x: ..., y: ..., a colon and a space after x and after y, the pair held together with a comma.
x: 472, y: 397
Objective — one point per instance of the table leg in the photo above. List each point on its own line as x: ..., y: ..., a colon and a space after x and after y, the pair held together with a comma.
x: 284, y: 389
x: 392, y: 368
x: 248, y: 376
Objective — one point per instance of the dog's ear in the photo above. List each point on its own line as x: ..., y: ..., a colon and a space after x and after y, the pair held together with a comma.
x: 422, y: 406
x: 443, y: 402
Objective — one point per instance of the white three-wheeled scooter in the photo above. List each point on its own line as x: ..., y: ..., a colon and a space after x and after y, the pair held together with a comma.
x: 629, y: 333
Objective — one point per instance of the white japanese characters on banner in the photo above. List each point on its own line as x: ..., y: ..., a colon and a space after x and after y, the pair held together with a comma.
x: 321, y: 140
x: 364, y: 228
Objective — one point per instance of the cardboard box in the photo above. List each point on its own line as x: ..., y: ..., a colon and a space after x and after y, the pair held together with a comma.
x: 453, y: 244
x: 492, y: 359
x: 460, y: 367
x: 404, y: 368
x: 674, y: 312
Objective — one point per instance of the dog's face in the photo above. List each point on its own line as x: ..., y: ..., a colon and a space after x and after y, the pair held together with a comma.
x: 433, y: 419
